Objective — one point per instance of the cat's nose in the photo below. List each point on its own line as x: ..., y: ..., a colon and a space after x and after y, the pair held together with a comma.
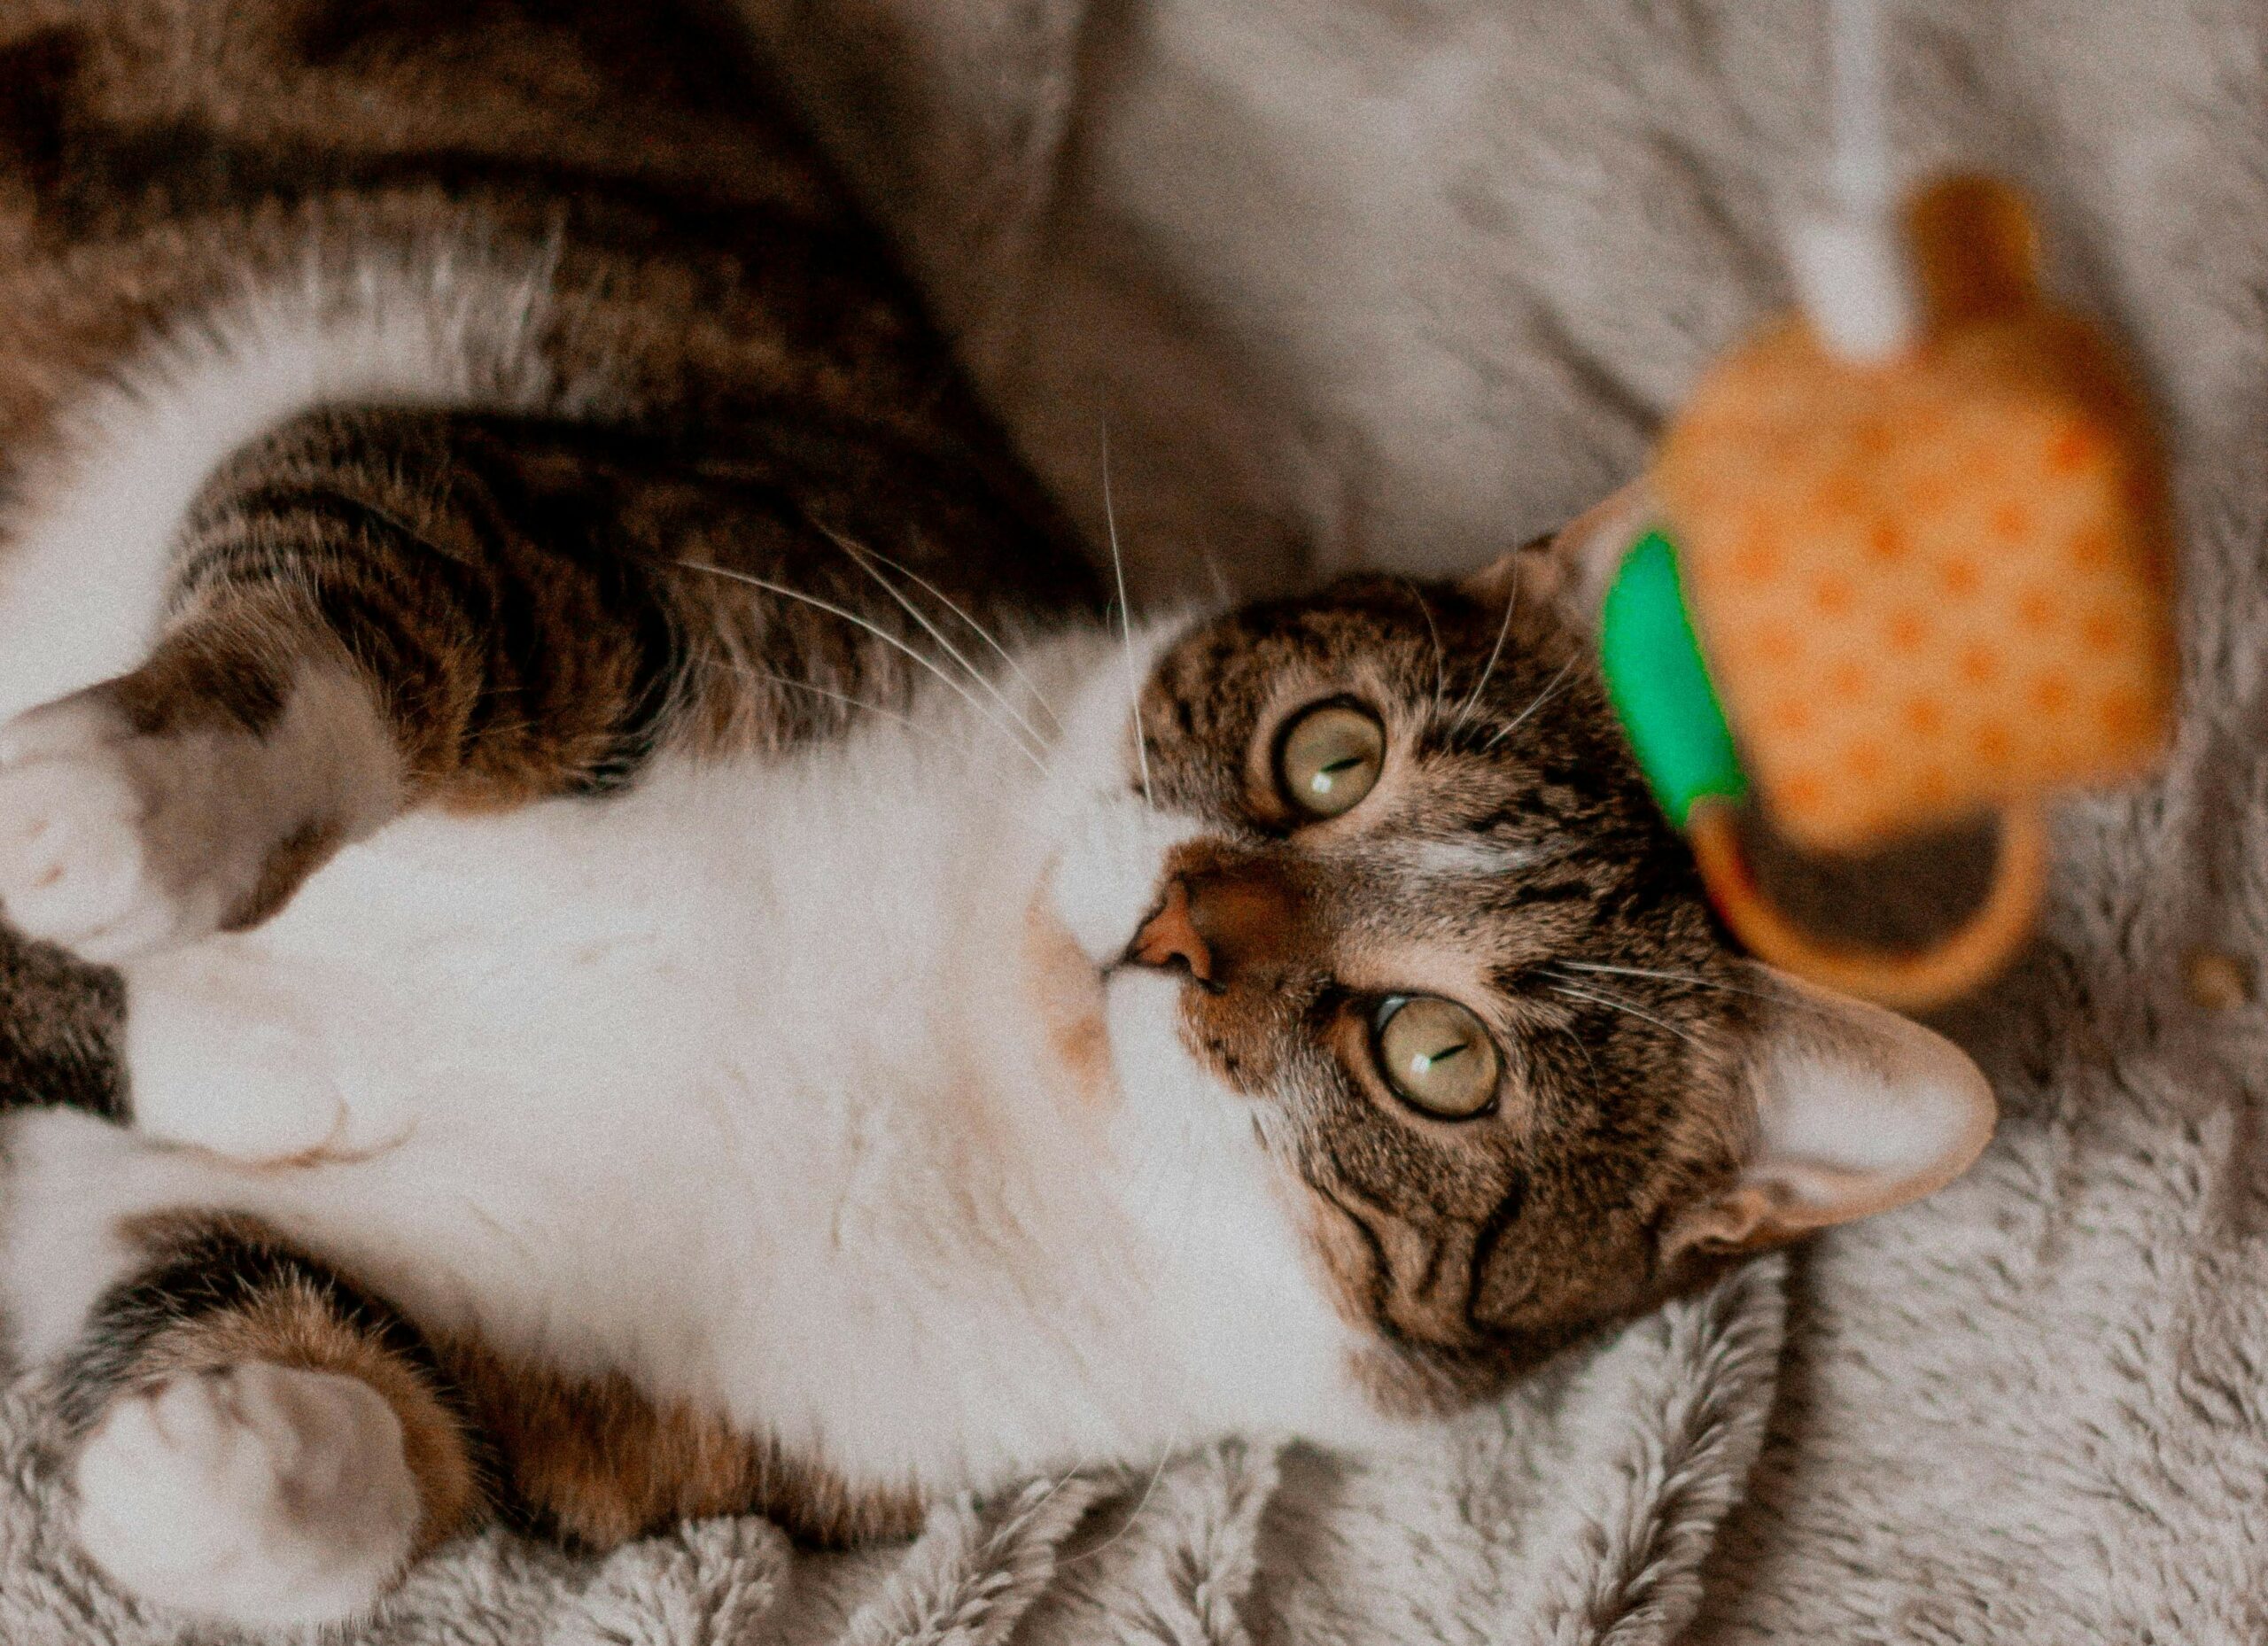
x: 1222, y: 925
x: 1171, y: 937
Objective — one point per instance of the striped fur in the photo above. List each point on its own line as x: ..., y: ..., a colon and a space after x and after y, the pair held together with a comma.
x: 623, y: 842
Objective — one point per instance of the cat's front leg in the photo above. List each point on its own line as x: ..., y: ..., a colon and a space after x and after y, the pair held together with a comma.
x: 125, y: 838
x: 154, y: 810
x: 370, y: 610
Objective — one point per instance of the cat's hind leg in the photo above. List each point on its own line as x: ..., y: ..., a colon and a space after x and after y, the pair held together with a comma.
x: 248, y: 1435
x: 251, y: 1491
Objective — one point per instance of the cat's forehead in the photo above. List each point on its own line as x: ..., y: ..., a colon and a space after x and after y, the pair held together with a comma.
x: 1505, y: 790
x: 1376, y: 632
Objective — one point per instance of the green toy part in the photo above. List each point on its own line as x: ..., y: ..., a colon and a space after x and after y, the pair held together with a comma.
x: 1660, y: 687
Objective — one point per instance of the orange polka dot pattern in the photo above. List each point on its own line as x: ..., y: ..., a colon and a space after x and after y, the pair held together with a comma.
x: 1928, y: 587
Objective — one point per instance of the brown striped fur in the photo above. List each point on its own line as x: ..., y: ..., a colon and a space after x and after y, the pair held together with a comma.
x: 708, y: 276
x: 597, y: 1462
x: 746, y: 441
x: 378, y: 607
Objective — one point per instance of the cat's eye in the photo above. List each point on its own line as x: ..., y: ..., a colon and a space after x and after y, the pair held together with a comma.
x: 1436, y: 1056
x: 1330, y: 757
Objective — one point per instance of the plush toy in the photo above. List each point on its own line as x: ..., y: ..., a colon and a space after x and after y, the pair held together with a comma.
x: 1915, y: 570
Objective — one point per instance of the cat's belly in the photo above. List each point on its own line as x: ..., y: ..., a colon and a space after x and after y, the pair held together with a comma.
x: 514, y: 1105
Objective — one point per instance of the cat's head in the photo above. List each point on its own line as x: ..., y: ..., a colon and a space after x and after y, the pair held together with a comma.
x: 1393, y: 932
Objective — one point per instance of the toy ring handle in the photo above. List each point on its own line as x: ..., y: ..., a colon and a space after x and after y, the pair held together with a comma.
x: 1899, y: 979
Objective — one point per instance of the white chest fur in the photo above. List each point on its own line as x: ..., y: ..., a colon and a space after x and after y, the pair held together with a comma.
x: 736, y: 1084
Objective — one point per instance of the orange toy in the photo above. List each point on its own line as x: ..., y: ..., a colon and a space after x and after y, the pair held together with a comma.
x: 1929, y: 580
x: 1917, y: 568
x: 1929, y: 586
x: 1937, y: 583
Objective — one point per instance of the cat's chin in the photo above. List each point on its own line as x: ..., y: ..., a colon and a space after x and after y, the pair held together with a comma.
x: 1066, y: 990
x: 1169, y: 1098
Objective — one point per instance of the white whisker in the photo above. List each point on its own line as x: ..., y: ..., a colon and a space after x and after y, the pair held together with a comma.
x: 1221, y: 592
x: 1148, y: 1491
x: 1441, y: 677
x: 1612, y: 1004
x: 745, y: 672
x: 858, y: 557
x: 1542, y: 697
x: 978, y: 629
x: 1598, y: 1091
x: 1672, y: 977
x: 1125, y: 623
x: 879, y: 634
x: 1505, y: 628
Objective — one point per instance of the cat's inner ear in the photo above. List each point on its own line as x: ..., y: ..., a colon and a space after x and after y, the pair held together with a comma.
x: 1570, y: 568
x: 1858, y: 1110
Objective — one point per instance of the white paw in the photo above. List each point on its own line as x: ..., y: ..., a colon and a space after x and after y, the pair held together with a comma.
x: 75, y: 864
x: 221, y: 1058
x: 260, y: 1495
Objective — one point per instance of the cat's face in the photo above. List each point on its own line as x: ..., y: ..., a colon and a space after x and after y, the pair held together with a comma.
x: 1383, y: 905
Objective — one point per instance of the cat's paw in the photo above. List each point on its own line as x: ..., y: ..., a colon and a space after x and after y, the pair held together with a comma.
x: 260, y: 1495
x: 78, y: 866
x: 221, y: 1058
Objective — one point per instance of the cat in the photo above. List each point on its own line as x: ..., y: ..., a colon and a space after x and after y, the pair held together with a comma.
x: 665, y: 955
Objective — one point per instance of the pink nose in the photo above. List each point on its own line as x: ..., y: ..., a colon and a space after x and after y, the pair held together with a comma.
x: 1171, y: 936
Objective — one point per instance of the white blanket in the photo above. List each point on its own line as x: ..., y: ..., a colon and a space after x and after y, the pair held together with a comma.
x: 1405, y: 281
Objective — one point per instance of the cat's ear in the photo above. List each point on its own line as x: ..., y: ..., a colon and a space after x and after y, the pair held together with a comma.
x: 1857, y: 1110
x: 1570, y: 568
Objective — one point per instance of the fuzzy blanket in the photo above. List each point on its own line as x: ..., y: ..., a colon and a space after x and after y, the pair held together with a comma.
x: 1405, y: 281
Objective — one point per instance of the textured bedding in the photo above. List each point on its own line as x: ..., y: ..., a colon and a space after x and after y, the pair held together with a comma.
x: 1403, y: 282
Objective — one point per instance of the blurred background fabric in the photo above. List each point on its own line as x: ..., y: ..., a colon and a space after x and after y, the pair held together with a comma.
x: 1404, y: 283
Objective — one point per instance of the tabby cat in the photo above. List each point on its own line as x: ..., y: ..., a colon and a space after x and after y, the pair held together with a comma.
x: 665, y: 958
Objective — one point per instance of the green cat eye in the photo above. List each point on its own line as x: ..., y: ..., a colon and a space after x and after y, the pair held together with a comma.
x: 1330, y: 757
x: 1436, y: 1056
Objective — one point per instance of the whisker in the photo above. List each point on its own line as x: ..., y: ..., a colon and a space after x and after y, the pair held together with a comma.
x: 1612, y: 1004
x: 1134, y: 1514
x: 879, y: 634
x: 1125, y: 623
x: 1441, y: 678
x: 1221, y: 592
x: 1598, y: 1091
x: 1676, y: 977
x: 978, y: 629
x: 1505, y: 628
x: 742, y: 671
x: 1542, y: 697
x: 1055, y: 1487
x: 858, y: 558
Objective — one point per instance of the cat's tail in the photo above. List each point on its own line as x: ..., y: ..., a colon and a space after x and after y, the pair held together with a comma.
x: 59, y: 1023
